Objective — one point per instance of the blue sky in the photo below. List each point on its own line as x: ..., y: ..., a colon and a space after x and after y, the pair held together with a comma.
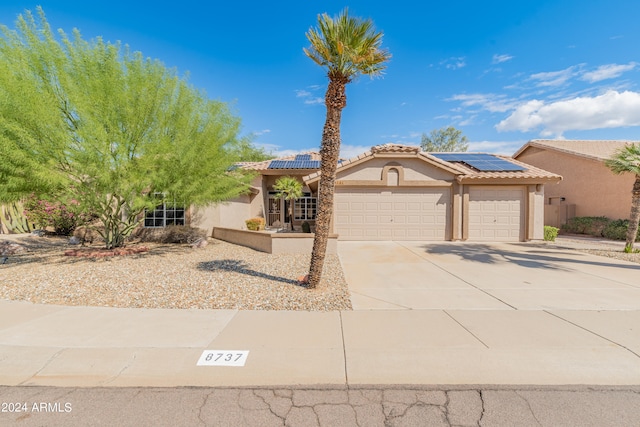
x: 503, y: 72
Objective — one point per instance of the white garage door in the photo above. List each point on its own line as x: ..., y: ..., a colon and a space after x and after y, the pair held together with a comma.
x: 496, y: 214
x: 397, y: 214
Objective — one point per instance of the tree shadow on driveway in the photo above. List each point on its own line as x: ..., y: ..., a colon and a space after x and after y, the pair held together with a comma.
x: 523, y: 255
x: 238, y: 266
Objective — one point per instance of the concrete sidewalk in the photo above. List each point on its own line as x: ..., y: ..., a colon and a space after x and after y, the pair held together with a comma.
x: 90, y: 346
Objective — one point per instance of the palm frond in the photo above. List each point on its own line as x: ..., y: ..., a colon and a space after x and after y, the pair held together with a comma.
x: 347, y: 46
x: 626, y: 159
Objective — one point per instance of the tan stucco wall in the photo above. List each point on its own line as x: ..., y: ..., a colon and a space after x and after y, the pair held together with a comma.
x: 536, y: 211
x: 285, y: 243
x: 589, y: 184
x: 414, y: 170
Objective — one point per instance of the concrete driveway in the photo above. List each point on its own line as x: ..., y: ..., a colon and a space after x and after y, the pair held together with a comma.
x: 485, y: 276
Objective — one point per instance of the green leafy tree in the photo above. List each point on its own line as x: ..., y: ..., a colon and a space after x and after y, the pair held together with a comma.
x: 346, y: 47
x: 94, y: 122
x: 247, y: 152
x: 627, y: 160
x: 447, y: 139
x: 290, y: 189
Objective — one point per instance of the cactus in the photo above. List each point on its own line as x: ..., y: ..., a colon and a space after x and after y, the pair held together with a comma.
x: 13, y: 219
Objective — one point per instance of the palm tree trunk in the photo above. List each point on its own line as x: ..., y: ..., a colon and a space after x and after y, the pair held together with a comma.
x: 634, y: 217
x: 335, y: 100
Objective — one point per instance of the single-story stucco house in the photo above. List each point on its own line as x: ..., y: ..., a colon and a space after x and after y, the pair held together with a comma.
x: 397, y: 192
x: 588, y: 187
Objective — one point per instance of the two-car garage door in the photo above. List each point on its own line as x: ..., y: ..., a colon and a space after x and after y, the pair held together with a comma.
x: 392, y: 214
x: 495, y: 213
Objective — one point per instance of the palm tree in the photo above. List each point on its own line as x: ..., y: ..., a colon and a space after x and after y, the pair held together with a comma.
x: 346, y: 47
x: 290, y: 189
x: 627, y: 159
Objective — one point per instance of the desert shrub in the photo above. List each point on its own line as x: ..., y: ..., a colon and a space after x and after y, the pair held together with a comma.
x: 550, y: 233
x: 306, y: 227
x: 171, y: 234
x: 64, y: 218
x: 617, y: 230
x: 591, y: 225
x: 255, y: 224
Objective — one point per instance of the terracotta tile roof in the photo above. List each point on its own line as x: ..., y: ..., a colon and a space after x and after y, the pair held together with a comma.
x: 594, y: 149
x: 259, y: 166
x: 394, y: 148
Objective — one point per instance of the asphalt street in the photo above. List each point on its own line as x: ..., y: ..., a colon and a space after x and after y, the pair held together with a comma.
x: 324, y: 406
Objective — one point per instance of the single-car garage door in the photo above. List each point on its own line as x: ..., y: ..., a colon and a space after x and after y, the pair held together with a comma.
x: 392, y: 214
x: 496, y: 214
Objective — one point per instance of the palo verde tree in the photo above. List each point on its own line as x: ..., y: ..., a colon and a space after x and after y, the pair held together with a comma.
x: 627, y: 160
x: 346, y: 47
x: 290, y: 189
x: 444, y: 139
x: 94, y: 122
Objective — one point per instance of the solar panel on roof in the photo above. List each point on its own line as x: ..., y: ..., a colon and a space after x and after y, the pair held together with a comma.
x: 303, y: 157
x: 481, y: 162
x: 294, y: 164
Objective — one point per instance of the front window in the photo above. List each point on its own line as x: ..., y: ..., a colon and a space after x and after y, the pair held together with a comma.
x: 304, y: 208
x: 167, y: 212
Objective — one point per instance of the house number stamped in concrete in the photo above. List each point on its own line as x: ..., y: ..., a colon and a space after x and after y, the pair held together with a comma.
x: 223, y: 358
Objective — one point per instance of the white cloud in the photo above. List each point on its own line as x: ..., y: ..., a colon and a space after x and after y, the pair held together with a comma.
x: 555, y: 78
x: 350, y: 151
x: 308, y: 95
x: 609, y: 71
x: 454, y: 63
x: 314, y: 101
x: 609, y: 110
x: 261, y: 132
x: 496, y: 147
x: 487, y: 101
x: 497, y: 59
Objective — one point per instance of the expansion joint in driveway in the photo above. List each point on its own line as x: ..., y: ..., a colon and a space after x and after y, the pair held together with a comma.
x: 594, y: 333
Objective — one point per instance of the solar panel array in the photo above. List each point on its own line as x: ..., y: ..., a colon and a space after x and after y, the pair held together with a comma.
x: 294, y: 164
x: 481, y: 162
x: 303, y: 157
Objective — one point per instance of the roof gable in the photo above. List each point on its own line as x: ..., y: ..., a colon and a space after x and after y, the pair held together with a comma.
x: 599, y: 150
x: 463, y: 172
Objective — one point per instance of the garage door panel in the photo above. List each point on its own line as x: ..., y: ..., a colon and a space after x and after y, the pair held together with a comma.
x: 401, y: 214
x: 496, y: 214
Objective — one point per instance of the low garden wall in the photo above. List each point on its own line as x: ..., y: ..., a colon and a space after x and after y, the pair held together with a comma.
x: 273, y: 243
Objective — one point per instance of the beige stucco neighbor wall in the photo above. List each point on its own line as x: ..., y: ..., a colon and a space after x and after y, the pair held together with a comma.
x: 589, y: 184
x: 273, y: 243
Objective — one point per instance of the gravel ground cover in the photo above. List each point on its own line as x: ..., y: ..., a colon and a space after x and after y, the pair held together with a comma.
x: 218, y: 276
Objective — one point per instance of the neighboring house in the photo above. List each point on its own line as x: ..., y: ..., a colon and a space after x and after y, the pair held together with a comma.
x: 396, y: 192
x: 588, y: 187
x: 262, y: 200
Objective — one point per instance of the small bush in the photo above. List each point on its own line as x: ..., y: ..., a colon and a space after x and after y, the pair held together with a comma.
x: 64, y: 218
x: 306, y: 227
x: 591, y: 225
x: 255, y: 224
x: 550, y: 233
x: 171, y: 234
x: 617, y: 230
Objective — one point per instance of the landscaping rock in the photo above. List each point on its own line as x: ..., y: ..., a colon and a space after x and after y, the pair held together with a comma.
x: 200, y: 243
